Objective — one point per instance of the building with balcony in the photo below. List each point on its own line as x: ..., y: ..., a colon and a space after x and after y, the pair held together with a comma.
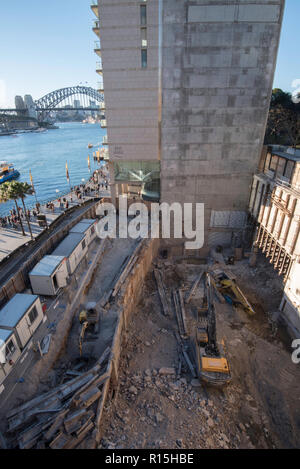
x: 99, y: 68
x: 275, y: 208
x: 94, y: 7
x: 187, y: 91
x: 96, y: 27
x: 97, y: 48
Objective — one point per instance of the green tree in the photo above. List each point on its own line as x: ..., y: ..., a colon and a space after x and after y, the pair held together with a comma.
x: 14, y: 190
x: 283, y: 125
x: 282, y: 98
x: 5, y: 196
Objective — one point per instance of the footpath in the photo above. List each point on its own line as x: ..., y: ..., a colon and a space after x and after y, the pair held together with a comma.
x: 11, y: 238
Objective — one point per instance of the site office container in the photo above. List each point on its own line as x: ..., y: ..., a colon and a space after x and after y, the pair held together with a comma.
x: 22, y: 314
x: 49, y: 275
x: 87, y: 226
x: 74, y: 248
x: 10, y: 352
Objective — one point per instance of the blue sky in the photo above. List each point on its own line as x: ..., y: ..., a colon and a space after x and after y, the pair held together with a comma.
x: 48, y: 44
x: 288, y: 60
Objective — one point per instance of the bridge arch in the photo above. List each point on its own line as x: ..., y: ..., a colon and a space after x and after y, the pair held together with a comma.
x: 50, y: 101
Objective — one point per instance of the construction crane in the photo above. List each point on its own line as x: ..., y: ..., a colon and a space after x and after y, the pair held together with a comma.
x: 211, y: 363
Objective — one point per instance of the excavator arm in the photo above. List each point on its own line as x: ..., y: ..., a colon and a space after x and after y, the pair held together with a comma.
x: 84, y: 327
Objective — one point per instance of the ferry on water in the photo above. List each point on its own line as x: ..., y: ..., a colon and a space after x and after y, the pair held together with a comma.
x: 7, y: 172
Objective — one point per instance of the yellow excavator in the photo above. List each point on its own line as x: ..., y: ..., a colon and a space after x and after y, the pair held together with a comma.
x: 211, y: 363
x: 226, y: 285
x: 88, y: 318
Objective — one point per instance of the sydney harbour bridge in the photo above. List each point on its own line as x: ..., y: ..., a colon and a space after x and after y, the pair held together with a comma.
x: 80, y: 98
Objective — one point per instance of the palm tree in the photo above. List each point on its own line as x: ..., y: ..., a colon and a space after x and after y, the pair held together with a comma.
x: 18, y: 190
x: 21, y: 190
x: 5, y: 196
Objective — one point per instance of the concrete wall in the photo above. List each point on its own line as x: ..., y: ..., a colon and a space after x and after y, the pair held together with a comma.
x: 127, y: 299
x: 131, y: 92
x: 218, y: 61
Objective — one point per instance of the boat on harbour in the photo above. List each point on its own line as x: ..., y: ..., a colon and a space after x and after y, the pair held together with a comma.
x: 7, y: 172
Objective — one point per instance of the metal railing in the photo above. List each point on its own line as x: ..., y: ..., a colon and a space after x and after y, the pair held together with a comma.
x: 99, y: 66
x: 295, y: 188
x: 105, y: 153
x: 31, y: 204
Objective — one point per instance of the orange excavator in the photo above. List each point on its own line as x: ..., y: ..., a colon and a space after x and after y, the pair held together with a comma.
x: 211, y: 362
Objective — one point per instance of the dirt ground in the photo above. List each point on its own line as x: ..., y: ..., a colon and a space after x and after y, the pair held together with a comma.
x: 65, y: 339
x: 95, y: 342
x: 159, y: 408
x: 158, y: 403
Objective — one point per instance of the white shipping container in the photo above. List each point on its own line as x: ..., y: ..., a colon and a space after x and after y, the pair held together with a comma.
x: 10, y: 352
x: 87, y: 226
x: 22, y: 314
x: 49, y: 275
x: 74, y: 248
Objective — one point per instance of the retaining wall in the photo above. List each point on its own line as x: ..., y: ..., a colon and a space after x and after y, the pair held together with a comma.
x: 127, y: 299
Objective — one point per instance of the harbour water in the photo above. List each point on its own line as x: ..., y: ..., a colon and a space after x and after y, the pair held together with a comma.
x: 46, y: 153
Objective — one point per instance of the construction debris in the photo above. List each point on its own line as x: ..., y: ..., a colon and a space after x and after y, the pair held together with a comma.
x: 3, y: 444
x: 45, y: 344
x: 60, y: 417
x: 184, y: 348
x: 72, y: 418
x: 161, y: 291
x: 60, y: 441
x: 194, y: 288
x: 55, y: 425
x: 128, y: 266
x: 156, y: 373
x: 89, y: 397
x: 180, y: 313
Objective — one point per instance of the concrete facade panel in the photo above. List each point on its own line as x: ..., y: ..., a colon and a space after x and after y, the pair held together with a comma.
x: 211, y: 13
x: 259, y: 13
x: 218, y: 62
